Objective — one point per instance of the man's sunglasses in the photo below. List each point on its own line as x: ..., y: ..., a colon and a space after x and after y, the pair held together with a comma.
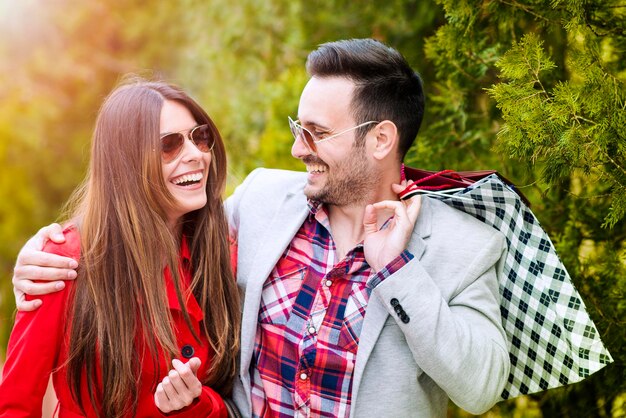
x: 172, y: 143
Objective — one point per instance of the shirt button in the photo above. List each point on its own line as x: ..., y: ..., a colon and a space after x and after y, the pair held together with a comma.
x: 311, y: 330
x: 328, y: 283
x: 187, y: 351
x: 303, y: 376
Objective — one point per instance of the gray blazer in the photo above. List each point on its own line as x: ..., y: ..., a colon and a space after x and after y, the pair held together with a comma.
x: 452, y: 345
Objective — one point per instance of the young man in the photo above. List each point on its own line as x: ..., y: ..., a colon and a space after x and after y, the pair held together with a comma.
x: 356, y: 304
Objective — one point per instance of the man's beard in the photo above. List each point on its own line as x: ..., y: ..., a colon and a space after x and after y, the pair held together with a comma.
x: 350, y: 182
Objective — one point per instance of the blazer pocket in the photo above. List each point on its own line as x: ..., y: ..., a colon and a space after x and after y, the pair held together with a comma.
x: 278, y: 296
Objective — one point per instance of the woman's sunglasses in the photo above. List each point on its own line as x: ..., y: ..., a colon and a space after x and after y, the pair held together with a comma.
x: 172, y: 143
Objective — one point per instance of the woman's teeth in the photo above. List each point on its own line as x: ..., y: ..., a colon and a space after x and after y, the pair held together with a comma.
x: 187, y: 179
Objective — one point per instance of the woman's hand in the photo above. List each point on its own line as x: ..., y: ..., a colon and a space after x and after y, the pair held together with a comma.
x: 180, y: 387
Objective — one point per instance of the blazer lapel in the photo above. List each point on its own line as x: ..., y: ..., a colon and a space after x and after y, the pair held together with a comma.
x: 283, y: 226
x: 376, y: 313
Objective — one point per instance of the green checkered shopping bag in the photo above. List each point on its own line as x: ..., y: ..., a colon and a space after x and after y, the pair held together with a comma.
x: 552, y: 340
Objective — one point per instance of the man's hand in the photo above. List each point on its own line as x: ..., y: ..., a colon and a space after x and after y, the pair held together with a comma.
x: 34, y: 264
x: 381, y: 246
x: 180, y: 387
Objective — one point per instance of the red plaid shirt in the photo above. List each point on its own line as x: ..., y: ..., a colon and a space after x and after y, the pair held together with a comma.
x: 312, y: 310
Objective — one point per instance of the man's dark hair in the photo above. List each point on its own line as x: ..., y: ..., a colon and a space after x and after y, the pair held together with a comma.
x: 386, y: 86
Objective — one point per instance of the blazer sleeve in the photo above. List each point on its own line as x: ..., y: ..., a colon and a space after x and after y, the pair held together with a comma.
x: 33, y: 352
x: 458, y: 341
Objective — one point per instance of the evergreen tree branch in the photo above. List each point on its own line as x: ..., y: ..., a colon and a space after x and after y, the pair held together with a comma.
x: 590, y: 140
x: 522, y: 7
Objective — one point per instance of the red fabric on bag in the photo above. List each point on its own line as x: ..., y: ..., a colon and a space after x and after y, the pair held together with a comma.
x: 449, y: 179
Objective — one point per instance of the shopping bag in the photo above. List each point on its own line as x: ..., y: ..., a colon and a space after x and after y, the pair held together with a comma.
x: 552, y: 340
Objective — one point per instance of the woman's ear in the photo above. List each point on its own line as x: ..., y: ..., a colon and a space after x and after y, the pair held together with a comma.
x: 386, y: 141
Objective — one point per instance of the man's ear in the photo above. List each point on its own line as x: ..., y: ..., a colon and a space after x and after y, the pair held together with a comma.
x: 386, y: 141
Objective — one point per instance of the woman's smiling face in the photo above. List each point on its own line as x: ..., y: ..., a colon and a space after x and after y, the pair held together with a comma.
x: 186, y: 175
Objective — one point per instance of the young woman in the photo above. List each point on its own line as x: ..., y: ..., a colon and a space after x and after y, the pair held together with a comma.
x: 152, y: 325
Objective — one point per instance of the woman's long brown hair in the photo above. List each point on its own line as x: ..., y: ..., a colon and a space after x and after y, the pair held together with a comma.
x: 120, y: 297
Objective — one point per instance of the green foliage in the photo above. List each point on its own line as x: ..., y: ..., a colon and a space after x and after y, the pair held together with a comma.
x: 532, y: 88
x: 559, y: 88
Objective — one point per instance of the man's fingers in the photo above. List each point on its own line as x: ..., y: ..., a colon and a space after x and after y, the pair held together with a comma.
x: 370, y: 221
x: 404, y: 212
x: 28, y: 305
x: 413, y: 206
x: 52, y: 232
x: 34, y: 272
x: 394, y: 206
x: 398, y: 188
x: 25, y: 305
x: 31, y: 288
x: 43, y: 259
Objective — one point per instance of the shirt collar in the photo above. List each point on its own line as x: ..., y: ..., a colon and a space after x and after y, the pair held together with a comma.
x: 318, y: 213
x: 314, y: 206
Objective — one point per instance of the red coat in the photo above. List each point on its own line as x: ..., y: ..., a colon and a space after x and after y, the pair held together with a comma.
x: 38, y: 345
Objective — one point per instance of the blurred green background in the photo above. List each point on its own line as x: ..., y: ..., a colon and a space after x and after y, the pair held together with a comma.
x: 532, y: 88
